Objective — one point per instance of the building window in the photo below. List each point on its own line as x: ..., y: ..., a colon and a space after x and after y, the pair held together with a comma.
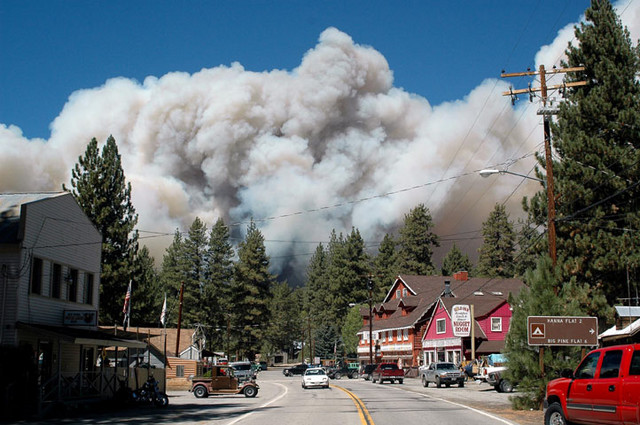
x: 496, y: 324
x: 397, y: 293
x: 441, y: 326
x: 56, y: 279
x: 73, y: 285
x: 384, y: 337
x: 36, y: 276
x: 180, y: 371
x: 405, y: 335
x: 88, y: 288
x: 404, y: 292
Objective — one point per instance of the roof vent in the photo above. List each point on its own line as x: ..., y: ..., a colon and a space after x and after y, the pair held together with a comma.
x: 447, y: 289
x: 478, y: 293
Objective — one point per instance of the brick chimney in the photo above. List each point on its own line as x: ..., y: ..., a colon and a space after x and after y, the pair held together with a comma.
x: 461, y: 276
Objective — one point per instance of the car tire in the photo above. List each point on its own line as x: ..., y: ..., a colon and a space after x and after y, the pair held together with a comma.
x: 555, y: 416
x: 438, y: 384
x: 250, y: 391
x: 338, y: 375
x: 505, y: 386
x: 200, y: 392
x: 425, y: 383
x: 381, y: 381
x: 373, y: 380
x: 461, y: 383
x: 400, y: 381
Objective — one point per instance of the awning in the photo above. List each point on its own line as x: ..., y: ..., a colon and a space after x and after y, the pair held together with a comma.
x: 81, y: 336
x: 489, y: 347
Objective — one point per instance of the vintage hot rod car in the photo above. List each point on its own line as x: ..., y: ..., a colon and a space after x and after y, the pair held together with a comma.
x: 222, y: 381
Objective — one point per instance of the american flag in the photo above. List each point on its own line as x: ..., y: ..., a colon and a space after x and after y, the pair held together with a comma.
x: 126, y: 309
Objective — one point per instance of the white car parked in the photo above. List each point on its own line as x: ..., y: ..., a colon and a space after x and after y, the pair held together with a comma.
x: 315, y: 377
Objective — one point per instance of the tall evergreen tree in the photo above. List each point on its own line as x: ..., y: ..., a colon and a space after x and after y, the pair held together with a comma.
x: 417, y: 241
x: 597, y: 145
x: 348, y: 270
x: 251, y: 291
x: 217, y: 286
x: 497, y: 251
x: 455, y: 261
x: 385, y: 267
x: 172, y: 273
x: 539, y: 298
x: 194, y: 250
x: 284, y: 326
x: 147, y: 297
x: 99, y: 186
x: 316, y: 303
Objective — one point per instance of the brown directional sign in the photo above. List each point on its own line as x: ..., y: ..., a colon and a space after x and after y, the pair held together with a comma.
x: 562, y: 330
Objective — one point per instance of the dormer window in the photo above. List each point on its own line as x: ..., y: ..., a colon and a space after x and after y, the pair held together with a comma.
x: 397, y: 293
x: 404, y: 292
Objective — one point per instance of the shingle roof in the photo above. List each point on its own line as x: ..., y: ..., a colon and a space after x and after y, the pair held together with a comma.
x: 486, y: 294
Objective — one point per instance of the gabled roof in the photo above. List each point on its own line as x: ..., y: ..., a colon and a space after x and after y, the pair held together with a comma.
x: 426, y: 290
x: 156, y: 337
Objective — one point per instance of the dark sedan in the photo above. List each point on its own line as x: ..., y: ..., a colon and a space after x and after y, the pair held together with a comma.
x: 295, y: 370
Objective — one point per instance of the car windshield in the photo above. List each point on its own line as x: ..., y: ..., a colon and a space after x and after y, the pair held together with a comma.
x: 446, y: 366
x: 392, y: 366
x: 314, y: 372
x: 241, y: 366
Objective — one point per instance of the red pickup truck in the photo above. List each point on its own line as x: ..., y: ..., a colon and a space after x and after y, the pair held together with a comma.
x: 604, y: 389
x: 387, y: 372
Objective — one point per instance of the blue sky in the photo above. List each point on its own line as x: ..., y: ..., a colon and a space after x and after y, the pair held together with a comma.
x: 391, y: 105
x: 438, y: 50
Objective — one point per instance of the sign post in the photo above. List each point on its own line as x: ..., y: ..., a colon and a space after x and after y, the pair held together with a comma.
x: 561, y: 331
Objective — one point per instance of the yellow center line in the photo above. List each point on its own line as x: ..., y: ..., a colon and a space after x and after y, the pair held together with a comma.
x: 363, y: 413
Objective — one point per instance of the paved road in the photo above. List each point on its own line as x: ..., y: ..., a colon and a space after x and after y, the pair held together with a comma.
x: 281, y: 400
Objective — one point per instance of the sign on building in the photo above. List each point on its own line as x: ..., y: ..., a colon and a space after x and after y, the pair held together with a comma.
x: 461, y: 320
x: 562, y: 330
x: 80, y: 318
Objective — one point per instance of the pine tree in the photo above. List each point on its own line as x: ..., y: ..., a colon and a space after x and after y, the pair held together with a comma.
x: 352, y: 324
x: 172, y: 273
x: 251, y: 290
x: 99, y: 186
x: 597, y: 145
x: 416, y: 242
x: 497, y: 250
x: 539, y: 298
x: 216, y: 299
x: 347, y: 270
x: 194, y: 249
x: 316, y: 294
x: 530, y: 244
x: 455, y: 261
x: 385, y: 268
x: 147, y: 296
x: 285, y: 323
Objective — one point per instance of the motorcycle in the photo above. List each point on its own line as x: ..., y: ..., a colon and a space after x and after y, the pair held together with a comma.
x: 150, y: 393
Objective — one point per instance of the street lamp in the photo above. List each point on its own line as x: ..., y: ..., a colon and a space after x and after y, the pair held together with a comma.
x: 551, y: 207
x: 488, y: 172
x: 370, y: 288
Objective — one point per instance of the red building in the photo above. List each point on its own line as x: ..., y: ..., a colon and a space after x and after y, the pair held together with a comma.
x: 413, y: 323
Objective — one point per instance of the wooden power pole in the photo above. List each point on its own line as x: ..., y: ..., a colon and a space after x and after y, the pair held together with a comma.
x: 546, y: 112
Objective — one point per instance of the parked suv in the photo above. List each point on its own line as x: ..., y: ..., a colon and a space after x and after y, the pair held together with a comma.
x: 604, y: 389
x: 442, y: 373
x: 243, y: 371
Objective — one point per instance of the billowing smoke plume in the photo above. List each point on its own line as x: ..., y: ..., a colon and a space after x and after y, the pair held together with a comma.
x: 331, y: 145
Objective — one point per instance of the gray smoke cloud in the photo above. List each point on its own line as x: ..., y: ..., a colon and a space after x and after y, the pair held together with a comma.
x: 300, y: 152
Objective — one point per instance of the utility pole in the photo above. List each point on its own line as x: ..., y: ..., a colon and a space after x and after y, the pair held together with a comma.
x: 179, y: 320
x: 546, y: 112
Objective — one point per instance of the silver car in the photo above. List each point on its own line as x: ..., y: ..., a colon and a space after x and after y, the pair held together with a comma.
x: 442, y: 373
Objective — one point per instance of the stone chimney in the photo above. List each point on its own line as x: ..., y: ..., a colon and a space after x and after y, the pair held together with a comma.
x: 461, y: 276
